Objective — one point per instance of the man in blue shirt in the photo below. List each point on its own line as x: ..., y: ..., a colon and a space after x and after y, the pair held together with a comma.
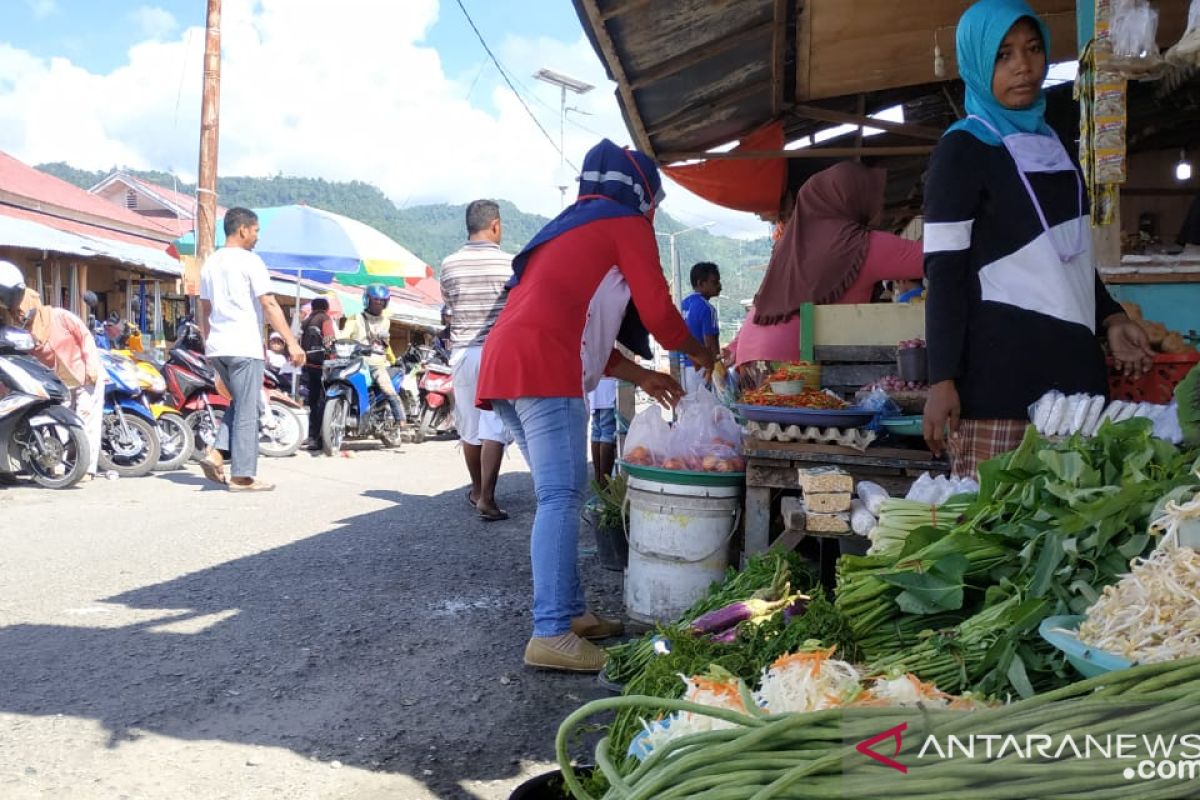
x: 701, y: 319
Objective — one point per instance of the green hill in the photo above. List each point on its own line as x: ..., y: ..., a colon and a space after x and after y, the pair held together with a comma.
x: 434, y: 231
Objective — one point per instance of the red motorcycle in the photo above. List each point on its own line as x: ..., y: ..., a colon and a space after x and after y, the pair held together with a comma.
x: 195, y: 389
x: 436, y: 391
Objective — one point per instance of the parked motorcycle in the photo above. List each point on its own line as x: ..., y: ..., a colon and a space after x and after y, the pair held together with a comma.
x: 194, y: 388
x: 129, y: 440
x: 436, y: 392
x: 38, y: 434
x: 354, y: 407
x: 281, y: 428
x: 175, y: 436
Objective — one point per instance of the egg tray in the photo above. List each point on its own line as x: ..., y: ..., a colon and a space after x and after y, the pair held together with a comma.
x: 774, y: 432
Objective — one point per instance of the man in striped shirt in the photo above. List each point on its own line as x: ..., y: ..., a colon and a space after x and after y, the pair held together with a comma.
x: 473, y: 289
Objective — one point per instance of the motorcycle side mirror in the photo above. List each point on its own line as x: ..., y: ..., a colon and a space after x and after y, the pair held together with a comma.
x: 16, y: 339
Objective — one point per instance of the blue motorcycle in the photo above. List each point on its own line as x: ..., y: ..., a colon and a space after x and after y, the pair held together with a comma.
x: 354, y: 407
x: 129, y: 441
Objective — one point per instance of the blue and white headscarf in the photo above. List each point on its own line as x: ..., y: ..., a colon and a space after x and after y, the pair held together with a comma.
x: 981, y: 31
x: 614, y: 182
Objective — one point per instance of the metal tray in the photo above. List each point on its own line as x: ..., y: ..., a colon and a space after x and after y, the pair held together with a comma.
x: 684, y: 477
x: 804, y: 417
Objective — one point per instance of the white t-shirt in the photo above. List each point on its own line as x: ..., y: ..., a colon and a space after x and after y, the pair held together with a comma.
x: 232, y: 280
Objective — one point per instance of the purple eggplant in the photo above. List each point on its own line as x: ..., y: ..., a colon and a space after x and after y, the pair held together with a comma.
x: 796, y: 608
x: 731, y: 615
x: 725, y: 637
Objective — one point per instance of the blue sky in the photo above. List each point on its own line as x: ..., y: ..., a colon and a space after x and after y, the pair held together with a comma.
x: 398, y: 93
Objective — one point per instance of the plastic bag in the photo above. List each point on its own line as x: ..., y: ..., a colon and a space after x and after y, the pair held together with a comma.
x: 862, y: 521
x: 1134, y: 30
x: 648, y: 443
x: 706, y: 437
x: 872, y: 496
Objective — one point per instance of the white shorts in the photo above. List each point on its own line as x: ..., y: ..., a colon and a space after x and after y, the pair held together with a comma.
x: 474, y: 425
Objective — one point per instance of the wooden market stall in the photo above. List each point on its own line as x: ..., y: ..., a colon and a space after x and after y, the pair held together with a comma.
x: 766, y: 76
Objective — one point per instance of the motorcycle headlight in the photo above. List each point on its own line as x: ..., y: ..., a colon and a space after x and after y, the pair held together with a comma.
x: 344, y: 349
x: 155, y: 384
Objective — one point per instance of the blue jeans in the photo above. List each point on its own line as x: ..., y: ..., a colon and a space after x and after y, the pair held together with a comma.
x: 238, y: 435
x: 552, y: 435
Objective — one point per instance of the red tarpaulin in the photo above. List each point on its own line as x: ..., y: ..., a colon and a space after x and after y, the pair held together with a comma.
x: 754, y: 185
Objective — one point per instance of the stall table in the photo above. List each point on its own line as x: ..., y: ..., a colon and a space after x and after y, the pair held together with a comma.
x: 774, y: 466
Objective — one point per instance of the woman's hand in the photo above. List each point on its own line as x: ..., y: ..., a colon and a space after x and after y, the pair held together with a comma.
x: 1129, y: 345
x: 663, y: 388
x: 942, y: 411
x: 727, y: 356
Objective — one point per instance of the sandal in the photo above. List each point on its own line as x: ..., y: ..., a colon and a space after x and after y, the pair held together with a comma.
x: 471, y: 502
x: 254, y: 486
x: 213, y: 471
x: 499, y: 515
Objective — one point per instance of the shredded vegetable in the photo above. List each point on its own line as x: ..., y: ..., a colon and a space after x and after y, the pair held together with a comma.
x: 809, y: 398
x: 1152, y: 613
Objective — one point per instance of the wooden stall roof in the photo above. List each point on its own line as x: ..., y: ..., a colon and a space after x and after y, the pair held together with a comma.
x: 696, y: 74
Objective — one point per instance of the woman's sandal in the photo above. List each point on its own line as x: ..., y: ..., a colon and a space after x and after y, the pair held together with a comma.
x: 254, y: 486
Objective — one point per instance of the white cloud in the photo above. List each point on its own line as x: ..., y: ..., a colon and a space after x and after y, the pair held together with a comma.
x: 154, y: 22
x: 42, y: 8
x: 348, y: 96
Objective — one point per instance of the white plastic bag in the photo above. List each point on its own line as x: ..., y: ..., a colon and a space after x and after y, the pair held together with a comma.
x: 1134, y: 30
x: 862, y: 521
x: 872, y: 496
x: 648, y: 443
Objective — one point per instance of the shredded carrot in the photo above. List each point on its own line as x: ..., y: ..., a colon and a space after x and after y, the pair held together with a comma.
x: 815, y: 657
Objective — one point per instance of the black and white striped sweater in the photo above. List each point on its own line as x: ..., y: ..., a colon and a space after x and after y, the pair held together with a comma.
x: 1006, y: 318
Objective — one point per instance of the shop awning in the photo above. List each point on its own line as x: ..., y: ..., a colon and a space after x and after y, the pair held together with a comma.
x: 29, y: 235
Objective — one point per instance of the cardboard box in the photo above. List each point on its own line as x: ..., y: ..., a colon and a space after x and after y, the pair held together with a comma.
x: 826, y: 503
x: 826, y: 480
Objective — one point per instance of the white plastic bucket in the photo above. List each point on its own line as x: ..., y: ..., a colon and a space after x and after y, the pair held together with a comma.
x: 678, y: 545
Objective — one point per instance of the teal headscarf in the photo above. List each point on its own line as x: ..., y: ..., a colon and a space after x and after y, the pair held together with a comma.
x: 981, y: 30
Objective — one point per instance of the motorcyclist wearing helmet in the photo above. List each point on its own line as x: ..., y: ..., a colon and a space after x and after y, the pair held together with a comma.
x: 373, y: 328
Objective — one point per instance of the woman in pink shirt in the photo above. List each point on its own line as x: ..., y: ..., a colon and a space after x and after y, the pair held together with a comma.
x: 826, y: 254
x: 64, y: 344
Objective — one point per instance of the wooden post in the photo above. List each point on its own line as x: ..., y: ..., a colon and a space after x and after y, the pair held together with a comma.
x: 210, y: 104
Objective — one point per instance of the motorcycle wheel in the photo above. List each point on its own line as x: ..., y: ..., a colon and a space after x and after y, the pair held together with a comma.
x: 135, y: 457
x: 204, y: 433
x: 333, y: 425
x: 56, y: 456
x: 286, y: 438
x: 430, y: 419
x: 175, y: 442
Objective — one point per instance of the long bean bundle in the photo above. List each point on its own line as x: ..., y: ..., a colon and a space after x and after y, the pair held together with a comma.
x: 818, y: 755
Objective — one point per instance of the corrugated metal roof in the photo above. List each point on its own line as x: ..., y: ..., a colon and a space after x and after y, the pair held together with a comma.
x: 31, y: 235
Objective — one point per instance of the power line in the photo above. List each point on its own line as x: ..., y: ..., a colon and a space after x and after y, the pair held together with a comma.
x: 513, y: 88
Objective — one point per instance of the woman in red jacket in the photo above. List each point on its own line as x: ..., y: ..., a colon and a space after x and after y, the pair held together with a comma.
x: 569, y: 303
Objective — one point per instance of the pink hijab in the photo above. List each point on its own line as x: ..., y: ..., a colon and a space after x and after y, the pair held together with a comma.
x: 824, y: 243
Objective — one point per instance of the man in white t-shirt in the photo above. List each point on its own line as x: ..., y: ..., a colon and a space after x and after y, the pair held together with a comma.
x: 235, y: 295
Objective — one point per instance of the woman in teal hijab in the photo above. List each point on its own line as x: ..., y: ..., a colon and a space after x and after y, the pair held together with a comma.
x: 1015, y: 304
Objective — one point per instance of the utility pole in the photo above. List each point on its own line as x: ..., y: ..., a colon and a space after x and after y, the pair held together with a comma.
x: 210, y: 110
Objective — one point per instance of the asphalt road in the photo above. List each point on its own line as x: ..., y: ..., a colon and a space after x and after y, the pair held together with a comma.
x: 355, y: 634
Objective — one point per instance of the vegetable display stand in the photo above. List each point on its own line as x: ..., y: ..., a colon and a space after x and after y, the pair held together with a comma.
x: 771, y: 470
x: 678, y: 544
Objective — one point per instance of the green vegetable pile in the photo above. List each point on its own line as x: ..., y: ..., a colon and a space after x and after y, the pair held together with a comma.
x: 816, y: 754
x: 651, y: 665
x: 1052, y: 525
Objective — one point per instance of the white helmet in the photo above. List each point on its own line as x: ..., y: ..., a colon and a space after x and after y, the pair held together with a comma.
x: 12, y: 285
